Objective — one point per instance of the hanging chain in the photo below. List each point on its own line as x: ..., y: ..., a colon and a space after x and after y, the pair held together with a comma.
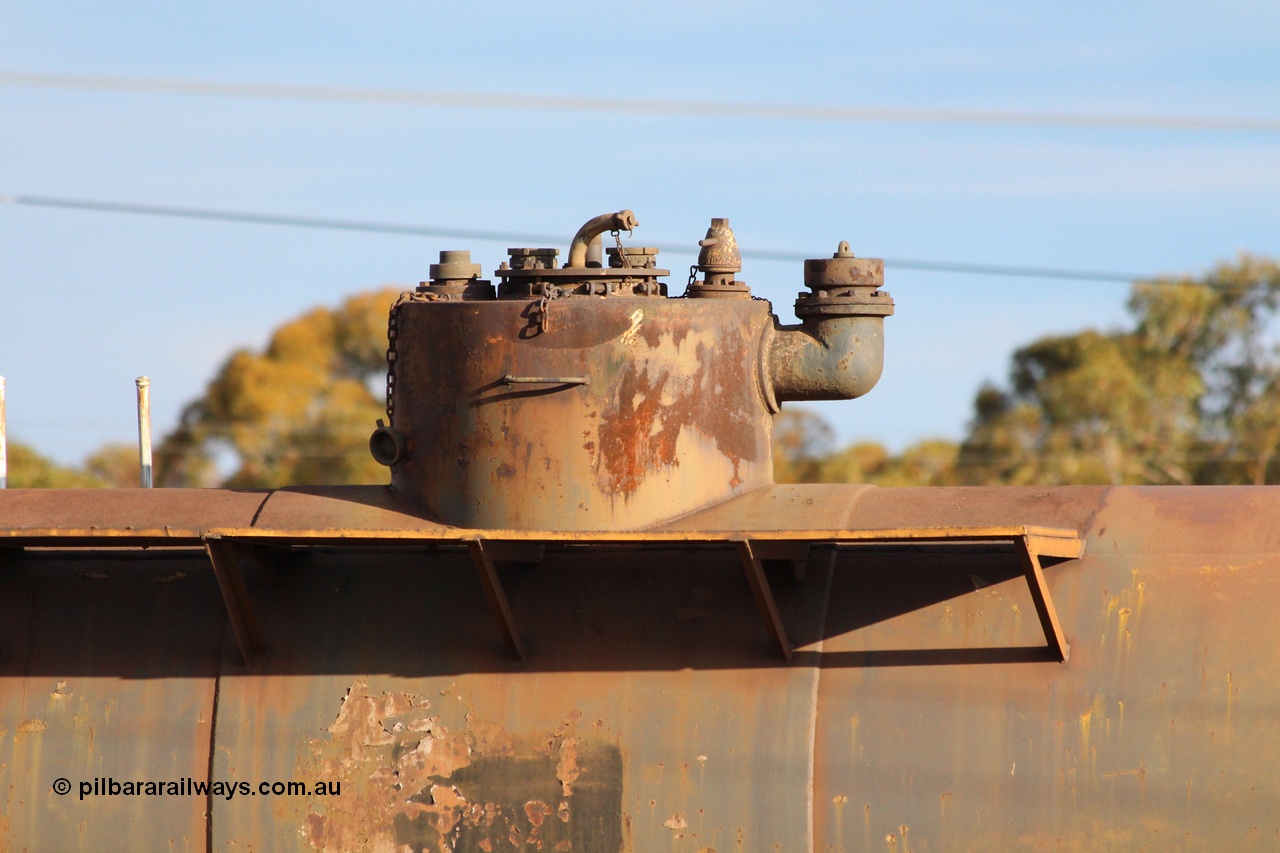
x: 622, y: 255
x: 549, y: 293
x: 393, y: 332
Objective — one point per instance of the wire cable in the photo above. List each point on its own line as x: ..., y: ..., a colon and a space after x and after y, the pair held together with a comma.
x: 638, y: 106
x: 515, y: 237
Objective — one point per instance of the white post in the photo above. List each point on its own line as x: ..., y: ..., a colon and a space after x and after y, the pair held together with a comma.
x: 4, y: 456
x: 144, y: 429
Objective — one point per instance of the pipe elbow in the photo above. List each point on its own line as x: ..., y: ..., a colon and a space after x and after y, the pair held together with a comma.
x: 623, y: 220
x: 825, y: 358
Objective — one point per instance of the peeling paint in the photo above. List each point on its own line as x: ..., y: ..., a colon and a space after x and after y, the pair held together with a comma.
x: 411, y: 783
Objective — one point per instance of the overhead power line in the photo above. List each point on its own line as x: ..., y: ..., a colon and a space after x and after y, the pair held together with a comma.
x: 524, y: 238
x: 636, y: 106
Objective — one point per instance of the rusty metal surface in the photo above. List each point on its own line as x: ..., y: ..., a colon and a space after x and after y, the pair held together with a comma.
x: 376, y: 514
x: 176, y: 516
x: 340, y: 508
x: 1157, y: 734
x: 672, y: 418
x: 639, y: 727
x: 108, y: 668
x: 652, y: 707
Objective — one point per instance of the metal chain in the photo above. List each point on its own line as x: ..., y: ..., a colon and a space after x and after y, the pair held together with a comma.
x: 549, y: 293
x: 693, y: 278
x: 622, y: 256
x: 393, y: 332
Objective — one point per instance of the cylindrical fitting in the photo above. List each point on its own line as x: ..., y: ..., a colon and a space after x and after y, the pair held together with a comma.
x: 144, y: 431
x: 455, y: 265
x: 387, y: 444
x: 626, y: 411
x: 456, y: 278
x: 837, y: 351
x: 824, y: 358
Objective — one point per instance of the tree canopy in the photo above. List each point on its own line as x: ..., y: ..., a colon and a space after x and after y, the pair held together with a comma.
x: 299, y: 412
x: 27, y: 469
x: 1188, y: 393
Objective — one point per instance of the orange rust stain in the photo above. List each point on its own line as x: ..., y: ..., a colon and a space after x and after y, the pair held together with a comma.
x: 652, y: 334
x: 628, y: 445
x: 537, y: 811
x: 638, y: 434
x: 488, y: 738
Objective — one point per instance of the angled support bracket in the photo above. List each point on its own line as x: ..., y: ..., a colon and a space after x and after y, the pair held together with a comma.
x: 226, y: 567
x: 1029, y: 549
x: 764, y: 598
x: 482, y: 561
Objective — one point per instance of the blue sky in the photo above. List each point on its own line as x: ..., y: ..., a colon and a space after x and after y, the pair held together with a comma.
x: 88, y: 301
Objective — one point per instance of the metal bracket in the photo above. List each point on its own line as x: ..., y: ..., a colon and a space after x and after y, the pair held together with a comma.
x: 482, y: 560
x: 1029, y: 549
x: 226, y: 567
x: 764, y: 598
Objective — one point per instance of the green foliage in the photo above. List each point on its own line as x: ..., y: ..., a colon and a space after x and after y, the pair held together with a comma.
x: 1187, y: 395
x: 30, y: 470
x: 802, y: 453
x: 802, y: 440
x: 114, y: 465
x: 298, y: 413
x: 1190, y: 393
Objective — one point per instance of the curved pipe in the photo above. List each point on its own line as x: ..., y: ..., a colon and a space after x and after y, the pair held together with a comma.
x: 826, y: 358
x: 623, y: 220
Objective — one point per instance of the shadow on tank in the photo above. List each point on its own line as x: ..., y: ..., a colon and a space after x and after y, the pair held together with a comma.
x: 156, y: 614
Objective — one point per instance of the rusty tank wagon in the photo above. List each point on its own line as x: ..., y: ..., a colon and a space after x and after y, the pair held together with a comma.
x: 583, y: 617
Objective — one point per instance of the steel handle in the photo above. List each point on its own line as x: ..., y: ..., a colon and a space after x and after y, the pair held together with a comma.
x: 508, y: 379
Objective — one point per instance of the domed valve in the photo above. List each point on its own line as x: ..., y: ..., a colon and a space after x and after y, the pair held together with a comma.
x: 718, y: 261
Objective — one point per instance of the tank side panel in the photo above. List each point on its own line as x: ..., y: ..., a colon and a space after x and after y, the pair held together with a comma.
x: 938, y: 731
x: 108, y: 670
x: 652, y: 714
